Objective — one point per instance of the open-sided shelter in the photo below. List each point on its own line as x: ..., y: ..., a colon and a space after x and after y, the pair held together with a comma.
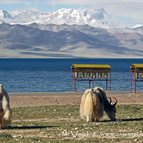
x: 91, y: 73
x: 136, y: 71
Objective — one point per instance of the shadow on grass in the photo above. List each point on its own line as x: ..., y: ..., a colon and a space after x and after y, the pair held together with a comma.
x: 31, y: 127
x: 131, y: 119
x: 125, y: 120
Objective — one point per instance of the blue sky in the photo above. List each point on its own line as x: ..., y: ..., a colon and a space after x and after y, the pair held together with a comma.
x: 127, y: 12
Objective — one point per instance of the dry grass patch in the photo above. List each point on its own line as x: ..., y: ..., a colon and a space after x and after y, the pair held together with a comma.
x: 61, y: 123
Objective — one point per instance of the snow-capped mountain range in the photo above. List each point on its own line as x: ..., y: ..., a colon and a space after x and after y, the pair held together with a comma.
x: 67, y: 33
x: 94, y: 17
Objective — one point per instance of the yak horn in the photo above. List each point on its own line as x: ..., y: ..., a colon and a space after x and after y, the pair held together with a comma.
x: 110, y: 100
x: 116, y: 101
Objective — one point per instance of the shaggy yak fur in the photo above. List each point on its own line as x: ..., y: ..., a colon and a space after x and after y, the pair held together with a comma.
x: 5, y: 112
x: 93, y: 104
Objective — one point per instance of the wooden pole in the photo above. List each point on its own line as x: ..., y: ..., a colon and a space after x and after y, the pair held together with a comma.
x: 131, y: 80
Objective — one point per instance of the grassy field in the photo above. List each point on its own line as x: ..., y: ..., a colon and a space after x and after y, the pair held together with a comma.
x: 62, y: 124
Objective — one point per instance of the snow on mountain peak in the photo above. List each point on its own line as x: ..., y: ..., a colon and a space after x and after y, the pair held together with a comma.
x: 97, y: 13
x: 4, y: 14
x: 93, y: 17
x: 29, y: 12
x: 25, y: 17
x: 138, y: 26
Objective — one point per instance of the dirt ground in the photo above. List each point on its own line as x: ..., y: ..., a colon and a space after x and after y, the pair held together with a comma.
x: 64, y: 98
x: 69, y: 128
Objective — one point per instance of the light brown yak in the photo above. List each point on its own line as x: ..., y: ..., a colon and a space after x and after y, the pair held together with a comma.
x: 93, y: 104
x: 5, y: 112
x: 90, y: 107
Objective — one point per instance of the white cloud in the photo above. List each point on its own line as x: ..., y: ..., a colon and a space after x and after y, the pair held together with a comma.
x: 8, y: 1
x: 19, y: 1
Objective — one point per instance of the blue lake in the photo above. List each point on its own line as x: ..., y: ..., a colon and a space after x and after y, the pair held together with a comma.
x: 54, y: 75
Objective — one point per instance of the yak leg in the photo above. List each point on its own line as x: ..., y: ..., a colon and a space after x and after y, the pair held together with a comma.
x: 6, y: 122
x: 96, y: 120
x: 88, y: 119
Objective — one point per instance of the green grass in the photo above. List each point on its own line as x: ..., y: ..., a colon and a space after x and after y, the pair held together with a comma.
x: 62, y: 124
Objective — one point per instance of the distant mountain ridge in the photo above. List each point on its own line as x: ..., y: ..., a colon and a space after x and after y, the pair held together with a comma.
x: 94, y: 17
x: 67, y: 33
x: 50, y: 40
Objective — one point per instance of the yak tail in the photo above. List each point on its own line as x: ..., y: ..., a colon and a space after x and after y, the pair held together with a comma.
x: 88, y: 107
x: 82, y: 105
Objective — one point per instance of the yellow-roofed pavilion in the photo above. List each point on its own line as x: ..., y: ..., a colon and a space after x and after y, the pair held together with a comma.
x: 91, y: 73
x: 136, y: 71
